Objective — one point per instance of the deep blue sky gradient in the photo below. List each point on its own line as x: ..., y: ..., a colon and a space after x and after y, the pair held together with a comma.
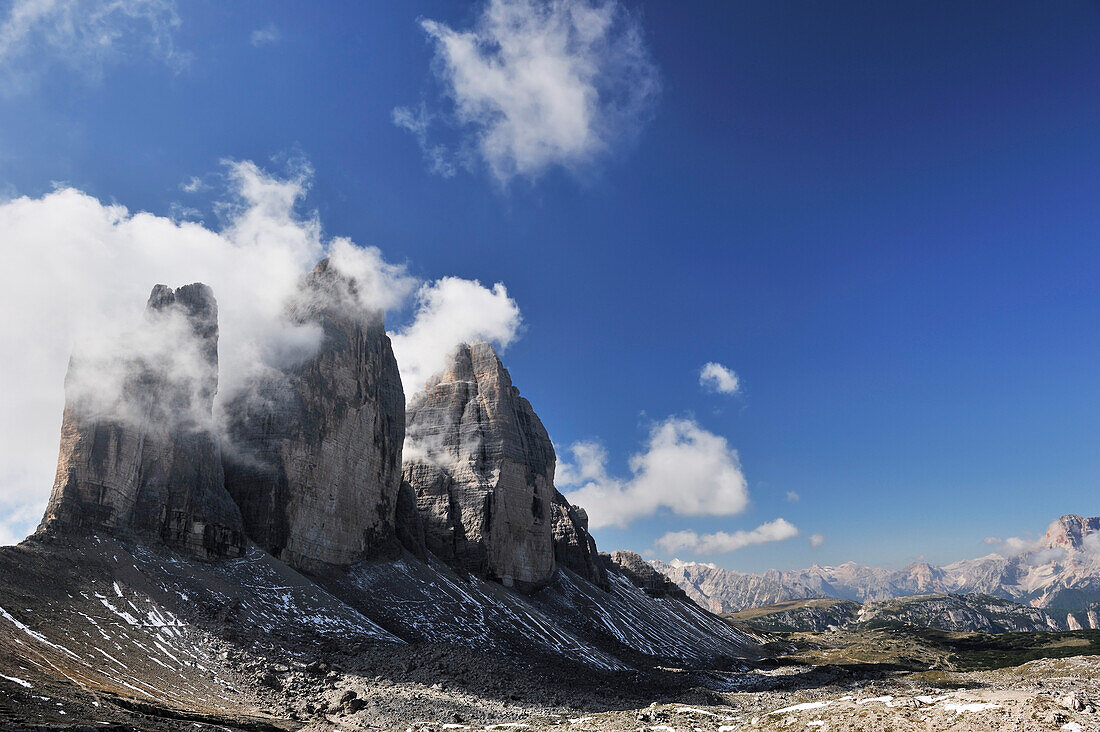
x: 883, y: 216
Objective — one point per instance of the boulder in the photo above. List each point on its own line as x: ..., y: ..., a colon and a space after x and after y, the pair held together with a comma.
x: 316, y: 448
x: 138, y: 453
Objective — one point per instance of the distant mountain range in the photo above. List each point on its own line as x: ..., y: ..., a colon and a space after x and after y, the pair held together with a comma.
x: 1060, y: 573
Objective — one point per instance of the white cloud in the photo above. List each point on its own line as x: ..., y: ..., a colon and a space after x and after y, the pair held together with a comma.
x: 194, y: 184
x: 793, y: 497
x: 722, y: 542
x: 716, y: 377
x: 439, y: 159
x: 269, y: 35
x: 78, y: 273
x: 543, y: 83
x: 85, y: 35
x: 451, y: 311
x: 817, y: 540
x: 684, y: 468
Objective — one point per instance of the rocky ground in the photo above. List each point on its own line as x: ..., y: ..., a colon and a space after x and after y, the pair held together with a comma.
x: 873, y: 680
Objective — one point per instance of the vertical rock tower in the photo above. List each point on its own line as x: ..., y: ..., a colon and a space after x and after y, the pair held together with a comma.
x: 316, y: 458
x: 482, y: 467
x: 144, y: 460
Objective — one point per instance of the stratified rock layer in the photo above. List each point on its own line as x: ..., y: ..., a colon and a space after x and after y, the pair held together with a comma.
x: 316, y: 462
x: 482, y: 466
x: 145, y: 460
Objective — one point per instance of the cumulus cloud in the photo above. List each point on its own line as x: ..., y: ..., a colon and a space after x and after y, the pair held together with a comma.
x: 817, y: 540
x: 684, y: 468
x: 78, y: 273
x: 543, y: 83
x: 451, y: 311
x: 717, y: 378
x: 269, y: 35
x: 722, y: 542
x: 793, y: 497
x: 85, y: 35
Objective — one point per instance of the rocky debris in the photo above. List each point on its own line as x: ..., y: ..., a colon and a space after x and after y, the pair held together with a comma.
x: 316, y: 466
x: 482, y: 466
x: 145, y: 460
x: 641, y: 574
x: 574, y: 547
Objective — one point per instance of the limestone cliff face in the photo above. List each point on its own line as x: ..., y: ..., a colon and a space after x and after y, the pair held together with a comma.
x: 144, y: 460
x: 316, y: 458
x: 482, y: 466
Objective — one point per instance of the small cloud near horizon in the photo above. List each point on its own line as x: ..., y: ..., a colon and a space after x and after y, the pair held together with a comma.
x: 722, y: 542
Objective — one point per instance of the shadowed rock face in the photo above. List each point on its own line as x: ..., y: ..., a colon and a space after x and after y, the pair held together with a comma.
x: 574, y: 547
x: 483, y: 469
x: 316, y: 461
x: 147, y: 462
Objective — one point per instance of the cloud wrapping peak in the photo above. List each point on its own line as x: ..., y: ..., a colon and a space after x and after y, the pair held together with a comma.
x: 450, y: 311
x: 78, y: 273
x: 722, y: 542
x: 717, y: 378
x: 544, y: 83
x: 684, y: 468
x: 85, y: 35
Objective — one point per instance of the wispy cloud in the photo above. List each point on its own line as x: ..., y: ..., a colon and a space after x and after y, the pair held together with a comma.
x: 817, y: 540
x: 536, y: 84
x: 84, y: 35
x: 438, y: 158
x: 793, y: 497
x: 722, y: 542
x: 269, y: 35
x: 717, y: 378
x: 684, y: 468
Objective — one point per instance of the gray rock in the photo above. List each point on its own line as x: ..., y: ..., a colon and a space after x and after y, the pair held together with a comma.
x: 574, y: 547
x: 482, y: 466
x: 642, y: 575
x: 316, y: 465
x: 145, y: 460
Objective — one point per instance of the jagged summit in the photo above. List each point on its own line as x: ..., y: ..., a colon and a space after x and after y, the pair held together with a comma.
x: 482, y: 467
x: 144, y: 460
x: 1069, y: 532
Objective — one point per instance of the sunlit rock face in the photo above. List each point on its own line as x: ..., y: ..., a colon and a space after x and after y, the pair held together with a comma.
x: 482, y: 467
x: 138, y: 454
x: 315, y: 462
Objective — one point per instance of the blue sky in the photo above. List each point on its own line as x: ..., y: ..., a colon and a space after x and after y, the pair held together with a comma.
x: 882, y: 218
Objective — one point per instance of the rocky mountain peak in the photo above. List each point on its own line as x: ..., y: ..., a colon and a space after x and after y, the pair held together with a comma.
x: 482, y: 466
x: 144, y: 460
x: 1069, y: 532
x: 316, y: 466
